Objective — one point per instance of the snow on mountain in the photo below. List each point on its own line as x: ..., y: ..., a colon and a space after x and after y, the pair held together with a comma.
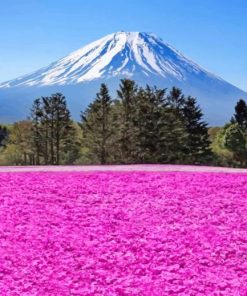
x: 116, y: 54
x: 142, y: 57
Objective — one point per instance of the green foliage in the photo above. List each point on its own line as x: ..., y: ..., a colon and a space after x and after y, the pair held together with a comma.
x: 18, y: 149
x: 229, y: 145
x: 125, y: 121
x: 149, y: 110
x: 197, y: 147
x: 235, y: 141
x: 142, y: 125
x: 72, y: 145
x: 222, y: 156
x: 52, y: 129
x: 3, y: 135
x: 240, y: 115
x: 97, y: 128
x: 160, y: 131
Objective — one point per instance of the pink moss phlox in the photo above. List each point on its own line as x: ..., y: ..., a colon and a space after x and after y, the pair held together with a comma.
x: 123, y: 233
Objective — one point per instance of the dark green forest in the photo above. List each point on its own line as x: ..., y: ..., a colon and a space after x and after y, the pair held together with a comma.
x: 139, y: 125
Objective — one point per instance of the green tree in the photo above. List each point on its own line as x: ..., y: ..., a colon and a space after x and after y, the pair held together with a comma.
x: 235, y: 141
x: 19, y: 149
x: 72, y: 145
x: 197, y: 147
x: 240, y: 115
x: 172, y: 138
x: 127, y: 93
x: 148, y: 122
x: 160, y: 130
x: 96, y: 126
x: 3, y: 135
x: 222, y: 155
x: 176, y: 101
x: 61, y: 124
x: 52, y: 128
x: 36, y: 115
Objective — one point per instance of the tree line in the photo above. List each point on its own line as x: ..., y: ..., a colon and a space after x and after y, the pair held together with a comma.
x: 141, y: 125
x: 144, y: 125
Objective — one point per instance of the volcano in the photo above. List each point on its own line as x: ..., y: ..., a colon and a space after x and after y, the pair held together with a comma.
x: 140, y: 56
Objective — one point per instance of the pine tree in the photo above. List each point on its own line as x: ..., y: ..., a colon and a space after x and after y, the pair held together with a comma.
x: 172, y: 133
x: 72, y: 145
x: 61, y: 124
x: 148, y: 121
x: 172, y: 137
x: 127, y: 95
x: 160, y: 132
x: 240, y: 115
x: 176, y: 100
x: 96, y: 126
x: 44, y: 128
x: 51, y: 127
x: 49, y: 122
x: 197, y: 148
x: 36, y: 115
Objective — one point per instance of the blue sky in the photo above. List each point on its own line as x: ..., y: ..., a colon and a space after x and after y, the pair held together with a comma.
x: 213, y: 33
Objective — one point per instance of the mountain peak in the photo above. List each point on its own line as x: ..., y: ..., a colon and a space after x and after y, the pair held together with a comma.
x: 123, y: 54
x: 140, y: 56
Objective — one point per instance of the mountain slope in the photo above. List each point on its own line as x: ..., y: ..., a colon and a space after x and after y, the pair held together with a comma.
x: 139, y: 56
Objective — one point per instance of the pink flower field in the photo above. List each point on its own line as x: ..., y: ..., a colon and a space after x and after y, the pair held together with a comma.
x: 123, y: 233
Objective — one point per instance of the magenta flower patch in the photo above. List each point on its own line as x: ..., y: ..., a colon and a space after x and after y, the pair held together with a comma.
x: 123, y: 233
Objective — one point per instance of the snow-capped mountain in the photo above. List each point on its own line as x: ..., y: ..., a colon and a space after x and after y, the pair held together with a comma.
x: 139, y: 56
x: 116, y: 54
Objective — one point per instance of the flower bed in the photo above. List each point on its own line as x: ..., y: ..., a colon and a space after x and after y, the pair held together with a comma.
x: 123, y: 233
